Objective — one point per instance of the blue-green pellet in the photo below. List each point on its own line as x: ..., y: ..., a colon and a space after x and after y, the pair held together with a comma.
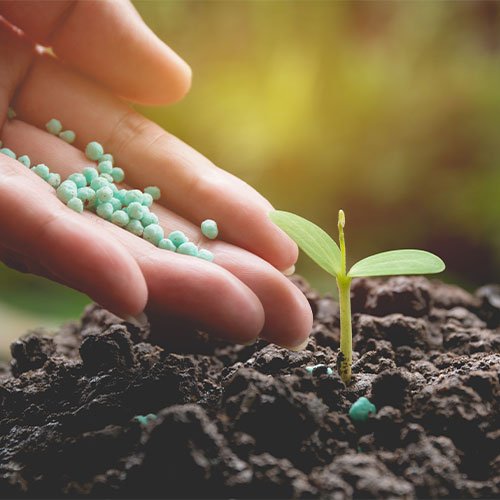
x: 206, y: 255
x: 79, y: 179
x: 11, y: 114
x: 310, y: 369
x: 120, y: 195
x: 104, y: 194
x: 209, y: 229
x: 177, y: 238
x: 113, y: 187
x: 53, y: 126
x: 188, y: 248
x: 54, y: 180
x: 147, y: 199
x: 41, y: 170
x: 24, y: 160
x: 67, y: 136
x: 133, y: 195
x: 75, y: 204
x: 118, y: 174
x: 145, y: 419
x: 166, y: 244
x: 105, y: 167
x: 104, y: 210
x: 98, y: 183
x: 360, y: 409
x: 87, y: 195
x: 117, y: 204
x: 8, y: 152
x: 120, y: 218
x: 149, y: 218
x: 107, y: 177
x: 135, y: 210
x: 135, y: 227
x: 108, y: 157
x: 154, y: 191
x: 66, y: 191
x: 153, y: 233
x: 90, y: 174
x: 94, y: 151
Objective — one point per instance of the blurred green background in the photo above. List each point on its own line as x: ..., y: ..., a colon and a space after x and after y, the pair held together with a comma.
x: 389, y: 110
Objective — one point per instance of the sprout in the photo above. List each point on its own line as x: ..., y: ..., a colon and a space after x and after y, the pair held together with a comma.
x: 318, y: 245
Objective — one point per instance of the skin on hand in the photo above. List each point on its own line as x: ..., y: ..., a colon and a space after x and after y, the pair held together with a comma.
x: 242, y: 295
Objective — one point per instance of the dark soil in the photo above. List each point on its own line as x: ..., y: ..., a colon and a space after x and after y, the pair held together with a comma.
x: 236, y: 421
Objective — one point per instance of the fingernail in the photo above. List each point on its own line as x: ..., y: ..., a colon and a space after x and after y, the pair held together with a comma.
x: 250, y: 342
x: 289, y: 271
x: 299, y: 347
x: 140, y: 320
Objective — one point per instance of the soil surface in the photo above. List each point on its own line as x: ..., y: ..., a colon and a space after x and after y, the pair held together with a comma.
x: 250, y: 421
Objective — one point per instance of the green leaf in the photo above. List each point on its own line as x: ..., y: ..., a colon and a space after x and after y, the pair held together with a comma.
x: 396, y: 262
x: 311, y: 239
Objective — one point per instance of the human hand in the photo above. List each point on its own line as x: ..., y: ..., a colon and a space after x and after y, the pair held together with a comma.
x: 104, y: 51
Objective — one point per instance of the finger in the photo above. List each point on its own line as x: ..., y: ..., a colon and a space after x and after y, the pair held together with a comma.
x: 288, y: 317
x: 193, y: 187
x: 109, y: 42
x: 36, y: 227
x: 179, y: 286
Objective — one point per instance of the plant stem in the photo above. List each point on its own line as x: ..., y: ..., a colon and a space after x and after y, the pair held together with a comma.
x: 344, y: 362
x: 345, y: 356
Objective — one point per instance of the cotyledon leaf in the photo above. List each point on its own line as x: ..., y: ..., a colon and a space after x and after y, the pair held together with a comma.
x: 311, y: 239
x: 395, y: 262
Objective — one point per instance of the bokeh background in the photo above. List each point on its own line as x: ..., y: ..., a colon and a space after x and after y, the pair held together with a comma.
x: 390, y: 110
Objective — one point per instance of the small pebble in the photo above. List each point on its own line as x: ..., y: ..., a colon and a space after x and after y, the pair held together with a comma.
x: 135, y: 227
x: 94, y: 151
x: 90, y: 174
x: 135, y: 210
x: 66, y: 191
x: 153, y: 233
x: 177, y: 238
x: 11, y: 114
x: 206, y: 255
x: 361, y: 409
x: 87, y: 195
x: 188, y: 248
x: 41, y: 170
x: 105, y: 167
x: 166, y: 244
x: 25, y: 160
x: 209, y: 229
x: 79, y: 179
x: 120, y: 218
x: 104, y: 194
x: 133, y: 195
x: 154, y: 191
x: 149, y: 218
x: 118, y: 174
x: 104, y: 210
x: 75, y: 204
x: 54, y: 180
x: 54, y: 126
x: 8, y: 152
x: 68, y: 136
x: 147, y: 199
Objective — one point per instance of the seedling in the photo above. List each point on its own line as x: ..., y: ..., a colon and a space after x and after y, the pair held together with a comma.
x: 323, y: 250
